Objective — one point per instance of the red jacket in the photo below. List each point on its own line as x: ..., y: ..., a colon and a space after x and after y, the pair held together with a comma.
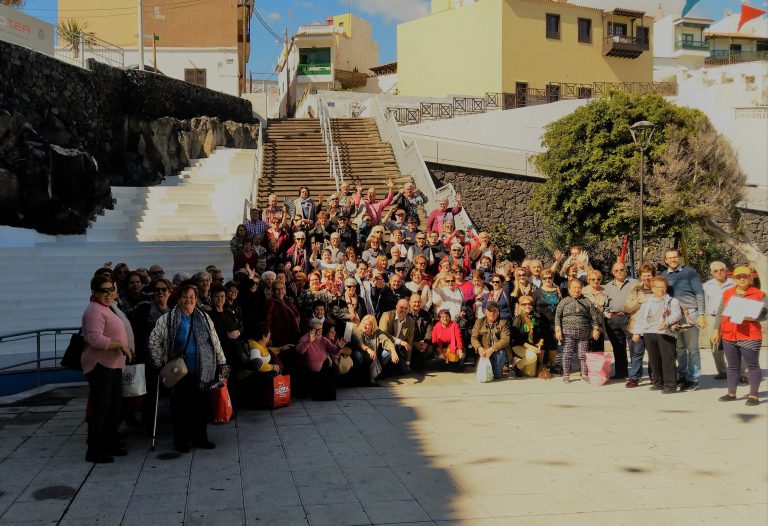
x: 746, y: 330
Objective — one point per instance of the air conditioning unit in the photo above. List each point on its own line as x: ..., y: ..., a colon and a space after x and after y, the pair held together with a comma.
x: 230, y: 61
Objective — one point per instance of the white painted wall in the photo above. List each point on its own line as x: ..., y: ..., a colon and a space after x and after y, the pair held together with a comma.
x: 384, y: 84
x: 220, y: 64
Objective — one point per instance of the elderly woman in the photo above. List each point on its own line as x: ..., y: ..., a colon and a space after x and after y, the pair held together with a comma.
x: 595, y: 293
x: 106, y: 349
x: 282, y: 316
x: 637, y: 295
x: 446, y: 338
x: 316, y: 354
x: 370, y: 343
x: 545, y: 300
x: 236, y: 243
x: 522, y: 286
x: 315, y: 292
x: 228, y: 327
x: 203, y: 281
x: 418, y: 285
x: 500, y: 297
x: 442, y: 213
x: 574, y: 318
x: 373, y: 251
x: 655, y: 324
x: 189, y: 333
x: 741, y: 340
x: 134, y: 296
x: 448, y: 297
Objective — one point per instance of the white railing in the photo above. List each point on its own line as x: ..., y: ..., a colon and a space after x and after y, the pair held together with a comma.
x: 258, y: 168
x: 332, y: 152
x: 410, y: 163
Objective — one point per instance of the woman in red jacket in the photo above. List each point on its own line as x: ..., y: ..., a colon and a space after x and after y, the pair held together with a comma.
x: 741, y: 341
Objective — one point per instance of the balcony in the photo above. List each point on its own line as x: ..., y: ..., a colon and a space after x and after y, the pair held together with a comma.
x: 313, y: 70
x: 725, y: 57
x: 623, y: 46
x: 692, y: 45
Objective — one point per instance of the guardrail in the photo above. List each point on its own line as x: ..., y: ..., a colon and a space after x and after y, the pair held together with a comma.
x: 84, y: 46
x: 49, y: 347
x: 411, y: 163
x: 258, y: 167
x: 723, y: 58
x: 313, y: 69
x: 332, y: 152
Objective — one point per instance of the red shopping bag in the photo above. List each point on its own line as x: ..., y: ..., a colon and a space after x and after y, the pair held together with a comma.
x: 221, y: 404
x: 598, y: 367
x: 280, y: 394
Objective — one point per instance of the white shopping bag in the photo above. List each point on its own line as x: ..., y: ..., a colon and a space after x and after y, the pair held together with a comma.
x: 134, y: 380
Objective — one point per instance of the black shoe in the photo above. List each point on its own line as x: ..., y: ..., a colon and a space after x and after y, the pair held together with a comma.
x: 203, y: 444
x: 721, y: 376
x: 181, y: 447
x: 727, y: 398
x: 99, y: 458
x: 690, y: 386
x: 752, y: 401
x: 669, y: 390
x: 657, y: 387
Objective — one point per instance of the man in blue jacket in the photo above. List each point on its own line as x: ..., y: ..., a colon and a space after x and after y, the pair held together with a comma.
x: 685, y: 286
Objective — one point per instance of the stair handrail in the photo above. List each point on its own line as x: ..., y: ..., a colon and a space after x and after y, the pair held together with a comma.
x: 38, y: 335
x: 332, y: 152
x: 258, y: 167
x: 411, y: 163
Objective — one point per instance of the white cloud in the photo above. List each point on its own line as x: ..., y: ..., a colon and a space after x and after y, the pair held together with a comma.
x: 273, y: 16
x: 391, y: 10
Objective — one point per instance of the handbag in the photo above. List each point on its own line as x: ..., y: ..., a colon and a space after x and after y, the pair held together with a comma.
x: 134, y: 380
x: 176, y: 368
x: 375, y: 369
x: 221, y: 403
x: 342, y: 363
x: 484, y: 373
x: 71, y: 358
x: 280, y: 394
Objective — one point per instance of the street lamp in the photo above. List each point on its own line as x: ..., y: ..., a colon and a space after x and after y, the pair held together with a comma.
x: 642, y: 132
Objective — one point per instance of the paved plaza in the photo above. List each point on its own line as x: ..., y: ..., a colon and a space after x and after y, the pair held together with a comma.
x: 442, y: 449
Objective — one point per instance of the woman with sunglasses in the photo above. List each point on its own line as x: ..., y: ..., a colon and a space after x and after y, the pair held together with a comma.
x: 522, y: 286
x: 595, y: 293
x: 575, y: 320
x: 103, y: 358
x: 499, y: 296
x: 741, y: 341
x: 448, y: 297
x: 545, y: 301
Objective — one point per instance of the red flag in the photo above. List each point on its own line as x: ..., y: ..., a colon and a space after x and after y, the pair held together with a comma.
x: 624, y: 246
x: 748, y: 13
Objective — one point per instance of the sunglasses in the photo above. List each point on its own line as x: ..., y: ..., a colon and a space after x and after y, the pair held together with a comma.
x: 547, y: 277
x: 350, y: 286
x: 450, y: 281
x: 106, y: 290
x: 526, y: 304
x: 161, y: 290
x: 495, y: 281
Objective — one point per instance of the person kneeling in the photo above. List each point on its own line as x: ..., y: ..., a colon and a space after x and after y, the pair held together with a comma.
x: 526, y: 338
x: 316, y: 353
x: 490, y: 336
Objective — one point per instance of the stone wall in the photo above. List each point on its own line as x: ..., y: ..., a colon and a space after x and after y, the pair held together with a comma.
x: 756, y: 228
x: 67, y: 134
x: 492, y: 197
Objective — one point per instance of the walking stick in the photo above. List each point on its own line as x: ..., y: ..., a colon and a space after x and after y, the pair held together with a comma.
x: 154, y: 424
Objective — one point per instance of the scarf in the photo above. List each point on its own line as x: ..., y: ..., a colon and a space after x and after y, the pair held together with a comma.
x: 529, y: 324
x: 206, y: 354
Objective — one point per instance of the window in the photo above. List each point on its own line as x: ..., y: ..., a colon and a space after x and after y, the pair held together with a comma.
x: 735, y: 48
x: 585, y: 92
x: 687, y: 38
x: 553, y: 92
x: 553, y: 26
x: 762, y: 45
x: 643, y: 37
x: 195, y: 76
x: 320, y: 55
x: 615, y: 29
x: 585, y: 30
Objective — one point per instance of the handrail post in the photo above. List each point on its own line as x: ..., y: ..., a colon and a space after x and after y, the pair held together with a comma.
x: 37, y: 367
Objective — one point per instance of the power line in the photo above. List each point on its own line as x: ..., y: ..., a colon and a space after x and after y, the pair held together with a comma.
x: 265, y: 25
x: 171, y: 5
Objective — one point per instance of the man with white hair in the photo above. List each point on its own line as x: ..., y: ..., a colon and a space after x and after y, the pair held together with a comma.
x: 271, y: 210
x: 713, y: 295
x: 443, y: 214
x: 410, y: 200
x: 298, y: 254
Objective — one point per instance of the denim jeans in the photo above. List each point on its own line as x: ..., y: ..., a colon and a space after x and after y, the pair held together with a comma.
x: 636, y: 367
x: 498, y: 359
x: 688, y: 355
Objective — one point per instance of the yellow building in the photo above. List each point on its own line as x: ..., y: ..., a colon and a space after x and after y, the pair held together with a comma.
x: 473, y: 47
x: 194, y: 37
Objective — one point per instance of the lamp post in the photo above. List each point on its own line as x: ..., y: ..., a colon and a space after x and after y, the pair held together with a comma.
x: 642, y: 132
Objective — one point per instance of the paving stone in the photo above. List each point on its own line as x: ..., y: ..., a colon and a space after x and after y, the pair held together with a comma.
x: 346, y: 514
x: 391, y: 512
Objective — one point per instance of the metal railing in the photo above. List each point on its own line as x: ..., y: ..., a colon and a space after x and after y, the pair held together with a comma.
x: 725, y: 57
x: 332, y: 151
x: 313, y: 69
x: 49, y: 347
x: 84, y: 46
x: 555, y: 91
x: 411, y: 163
x: 694, y: 45
x: 258, y: 168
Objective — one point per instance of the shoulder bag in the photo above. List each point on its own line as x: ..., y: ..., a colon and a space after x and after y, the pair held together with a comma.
x: 71, y: 358
x: 176, y: 368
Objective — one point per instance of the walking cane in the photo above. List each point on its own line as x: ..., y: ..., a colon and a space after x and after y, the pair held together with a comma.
x: 154, y: 424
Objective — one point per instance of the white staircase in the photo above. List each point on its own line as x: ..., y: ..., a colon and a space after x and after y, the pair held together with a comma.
x: 183, y: 224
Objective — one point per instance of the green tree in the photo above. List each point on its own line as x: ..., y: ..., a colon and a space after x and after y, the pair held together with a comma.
x: 693, y: 179
x: 18, y: 4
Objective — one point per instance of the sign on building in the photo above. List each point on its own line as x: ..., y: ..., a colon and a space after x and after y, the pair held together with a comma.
x: 24, y: 30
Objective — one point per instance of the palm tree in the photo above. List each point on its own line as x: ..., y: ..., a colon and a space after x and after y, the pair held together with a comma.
x: 72, y: 33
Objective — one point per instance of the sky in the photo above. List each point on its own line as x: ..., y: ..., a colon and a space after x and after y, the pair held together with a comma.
x: 384, y: 15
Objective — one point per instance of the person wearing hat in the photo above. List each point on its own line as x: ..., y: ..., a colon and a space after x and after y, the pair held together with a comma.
x: 713, y: 297
x: 298, y: 254
x: 491, y: 337
x: 741, y: 338
x: 398, y: 223
x: 346, y: 232
x: 333, y: 207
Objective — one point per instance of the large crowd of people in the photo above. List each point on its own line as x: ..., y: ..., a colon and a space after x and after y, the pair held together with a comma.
x: 344, y: 290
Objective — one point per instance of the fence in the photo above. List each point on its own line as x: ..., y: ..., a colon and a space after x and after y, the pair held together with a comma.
x: 735, y: 58
x: 84, y: 46
x: 41, y: 349
x: 524, y: 96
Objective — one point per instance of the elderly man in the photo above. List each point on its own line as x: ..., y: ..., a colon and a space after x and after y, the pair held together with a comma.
x: 685, y: 286
x: 373, y: 207
x: 298, y: 254
x: 255, y: 226
x: 713, y: 296
x: 271, y: 211
x: 491, y: 337
x: 410, y: 200
x: 617, y: 321
x: 391, y: 294
x: 443, y: 214
x: 401, y: 328
x: 422, y: 337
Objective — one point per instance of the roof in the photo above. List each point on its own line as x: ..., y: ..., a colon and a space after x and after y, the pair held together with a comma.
x: 746, y: 36
x: 620, y: 11
x: 563, y: 3
x: 385, y: 69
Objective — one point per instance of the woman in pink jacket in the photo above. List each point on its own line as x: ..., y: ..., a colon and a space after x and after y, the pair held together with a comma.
x: 106, y: 348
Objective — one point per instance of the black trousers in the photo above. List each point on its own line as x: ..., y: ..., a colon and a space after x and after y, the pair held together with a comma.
x: 662, y: 357
x: 190, y: 407
x: 105, y: 396
x: 619, y: 335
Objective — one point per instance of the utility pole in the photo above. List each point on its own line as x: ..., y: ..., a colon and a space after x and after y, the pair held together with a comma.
x: 154, y: 51
x: 141, y: 38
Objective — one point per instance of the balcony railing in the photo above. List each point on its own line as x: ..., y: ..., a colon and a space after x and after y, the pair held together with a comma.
x: 725, y: 57
x: 313, y: 69
x: 692, y: 45
x: 623, y: 46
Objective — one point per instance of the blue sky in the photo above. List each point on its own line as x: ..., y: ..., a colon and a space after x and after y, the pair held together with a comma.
x: 384, y: 15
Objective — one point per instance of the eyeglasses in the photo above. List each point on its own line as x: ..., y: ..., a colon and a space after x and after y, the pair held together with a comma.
x: 161, y: 290
x: 547, y: 277
x: 526, y: 304
x: 719, y: 270
x: 418, y: 238
x: 350, y: 286
x: 495, y: 281
x: 399, y: 270
x: 450, y: 281
x: 106, y: 290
